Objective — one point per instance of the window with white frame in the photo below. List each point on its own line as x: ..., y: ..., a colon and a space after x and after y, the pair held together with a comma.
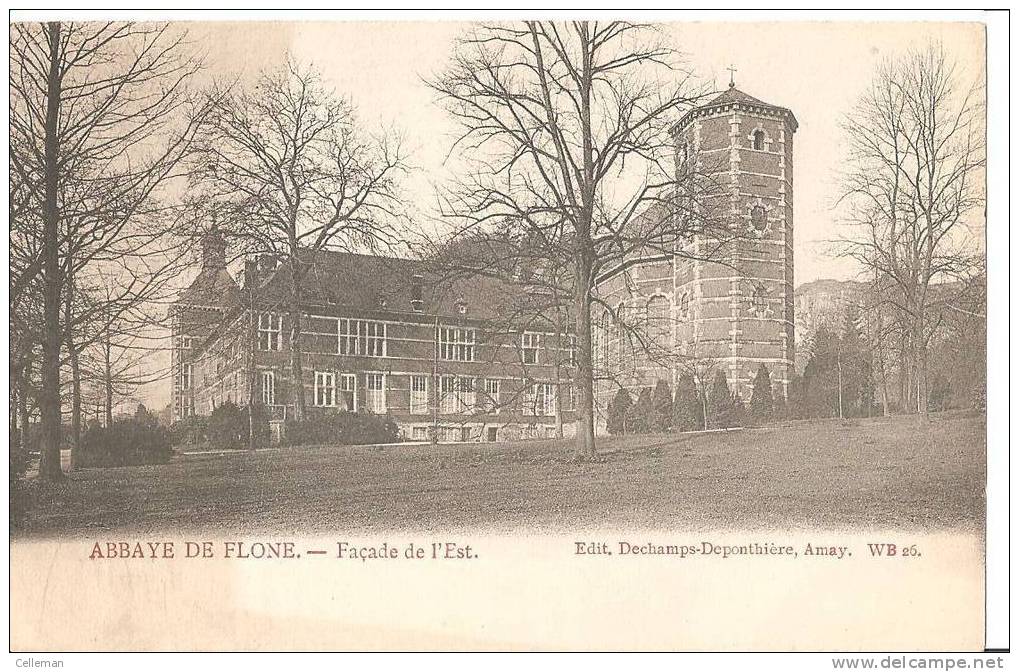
x: 541, y: 400
x: 375, y: 339
x: 375, y: 384
x: 268, y: 388
x: 466, y: 395
x: 419, y: 395
x: 348, y: 391
x: 361, y: 337
x: 419, y: 433
x: 457, y: 344
x: 571, y: 350
x: 492, y: 395
x: 570, y: 394
x: 529, y: 343
x: 185, y: 376
x: 448, y: 401
x: 270, y: 331
x: 325, y: 388
x: 185, y: 342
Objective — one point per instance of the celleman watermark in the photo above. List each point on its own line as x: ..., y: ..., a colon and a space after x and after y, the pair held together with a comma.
x: 38, y: 662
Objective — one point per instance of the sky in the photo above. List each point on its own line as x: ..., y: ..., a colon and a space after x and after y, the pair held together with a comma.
x: 816, y: 69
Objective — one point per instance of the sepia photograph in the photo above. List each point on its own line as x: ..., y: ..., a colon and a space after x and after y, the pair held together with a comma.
x: 511, y: 334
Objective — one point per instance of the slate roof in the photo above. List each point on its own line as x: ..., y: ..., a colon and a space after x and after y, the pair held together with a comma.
x: 213, y: 287
x: 363, y: 282
x: 734, y: 95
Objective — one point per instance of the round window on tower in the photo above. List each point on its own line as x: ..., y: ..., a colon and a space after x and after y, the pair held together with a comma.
x: 758, y: 219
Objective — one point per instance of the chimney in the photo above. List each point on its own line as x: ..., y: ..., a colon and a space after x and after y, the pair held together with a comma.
x: 266, y: 263
x: 213, y: 250
x: 250, y: 273
x: 416, y: 293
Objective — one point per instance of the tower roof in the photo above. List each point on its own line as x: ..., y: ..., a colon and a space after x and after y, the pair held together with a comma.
x: 736, y: 98
x: 214, y: 285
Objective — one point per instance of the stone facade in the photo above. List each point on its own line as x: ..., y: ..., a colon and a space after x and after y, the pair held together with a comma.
x: 731, y: 316
x: 377, y: 336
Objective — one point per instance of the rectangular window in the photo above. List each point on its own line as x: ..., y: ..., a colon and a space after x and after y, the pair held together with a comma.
x: 270, y: 330
x: 419, y: 433
x: 529, y: 343
x: 375, y: 339
x: 348, y: 333
x: 325, y: 388
x: 376, y: 397
x: 456, y: 344
x: 448, y: 402
x: 185, y: 376
x: 186, y: 342
x: 492, y: 396
x: 541, y: 400
x: 571, y: 350
x: 268, y: 388
x: 362, y: 337
x: 465, y: 393
x: 348, y: 391
x: 419, y: 395
x: 570, y: 397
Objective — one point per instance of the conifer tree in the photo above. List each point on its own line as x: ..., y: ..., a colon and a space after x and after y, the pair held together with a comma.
x: 762, y: 403
x: 687, y: 410
x: 661, y: 407
x: 643, y: 412
x: 619, y: 411
x: 721, y: 409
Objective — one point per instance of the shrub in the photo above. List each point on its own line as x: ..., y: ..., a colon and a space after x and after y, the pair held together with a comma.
x: 125, y: 443
x: 721, y: 410
x: 342, y: 428
x: 642, y: 412
x: 17, y: 468
x: 189, y: 431
x: 687, y: 407
x: 228, y: 426
x: 619, y: 412
x: 661, y: 407
x: 762, y: 403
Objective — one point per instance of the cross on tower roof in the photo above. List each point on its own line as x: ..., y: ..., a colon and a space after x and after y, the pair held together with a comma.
x: 732, y: 76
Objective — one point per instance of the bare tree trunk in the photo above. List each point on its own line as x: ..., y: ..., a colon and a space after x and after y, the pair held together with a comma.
x: 296, y: 368
x: 75, y: 376
x: 585, y: 440
x: 22, y: 405
x: 49, y: 397
x: 108, y: 377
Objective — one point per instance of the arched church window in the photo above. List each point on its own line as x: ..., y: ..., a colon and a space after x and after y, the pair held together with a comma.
x: 758, y: 140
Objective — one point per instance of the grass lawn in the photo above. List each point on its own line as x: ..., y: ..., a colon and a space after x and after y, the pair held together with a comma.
x: 880, y: 473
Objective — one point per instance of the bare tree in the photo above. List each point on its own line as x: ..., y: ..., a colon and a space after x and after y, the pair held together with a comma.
x: 101, y: 116
x: 298, y: 176
x: 913, y: 190
x: 566, y: 135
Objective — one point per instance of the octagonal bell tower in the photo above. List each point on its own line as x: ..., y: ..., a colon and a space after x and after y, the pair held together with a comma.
x: 739, y: 315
